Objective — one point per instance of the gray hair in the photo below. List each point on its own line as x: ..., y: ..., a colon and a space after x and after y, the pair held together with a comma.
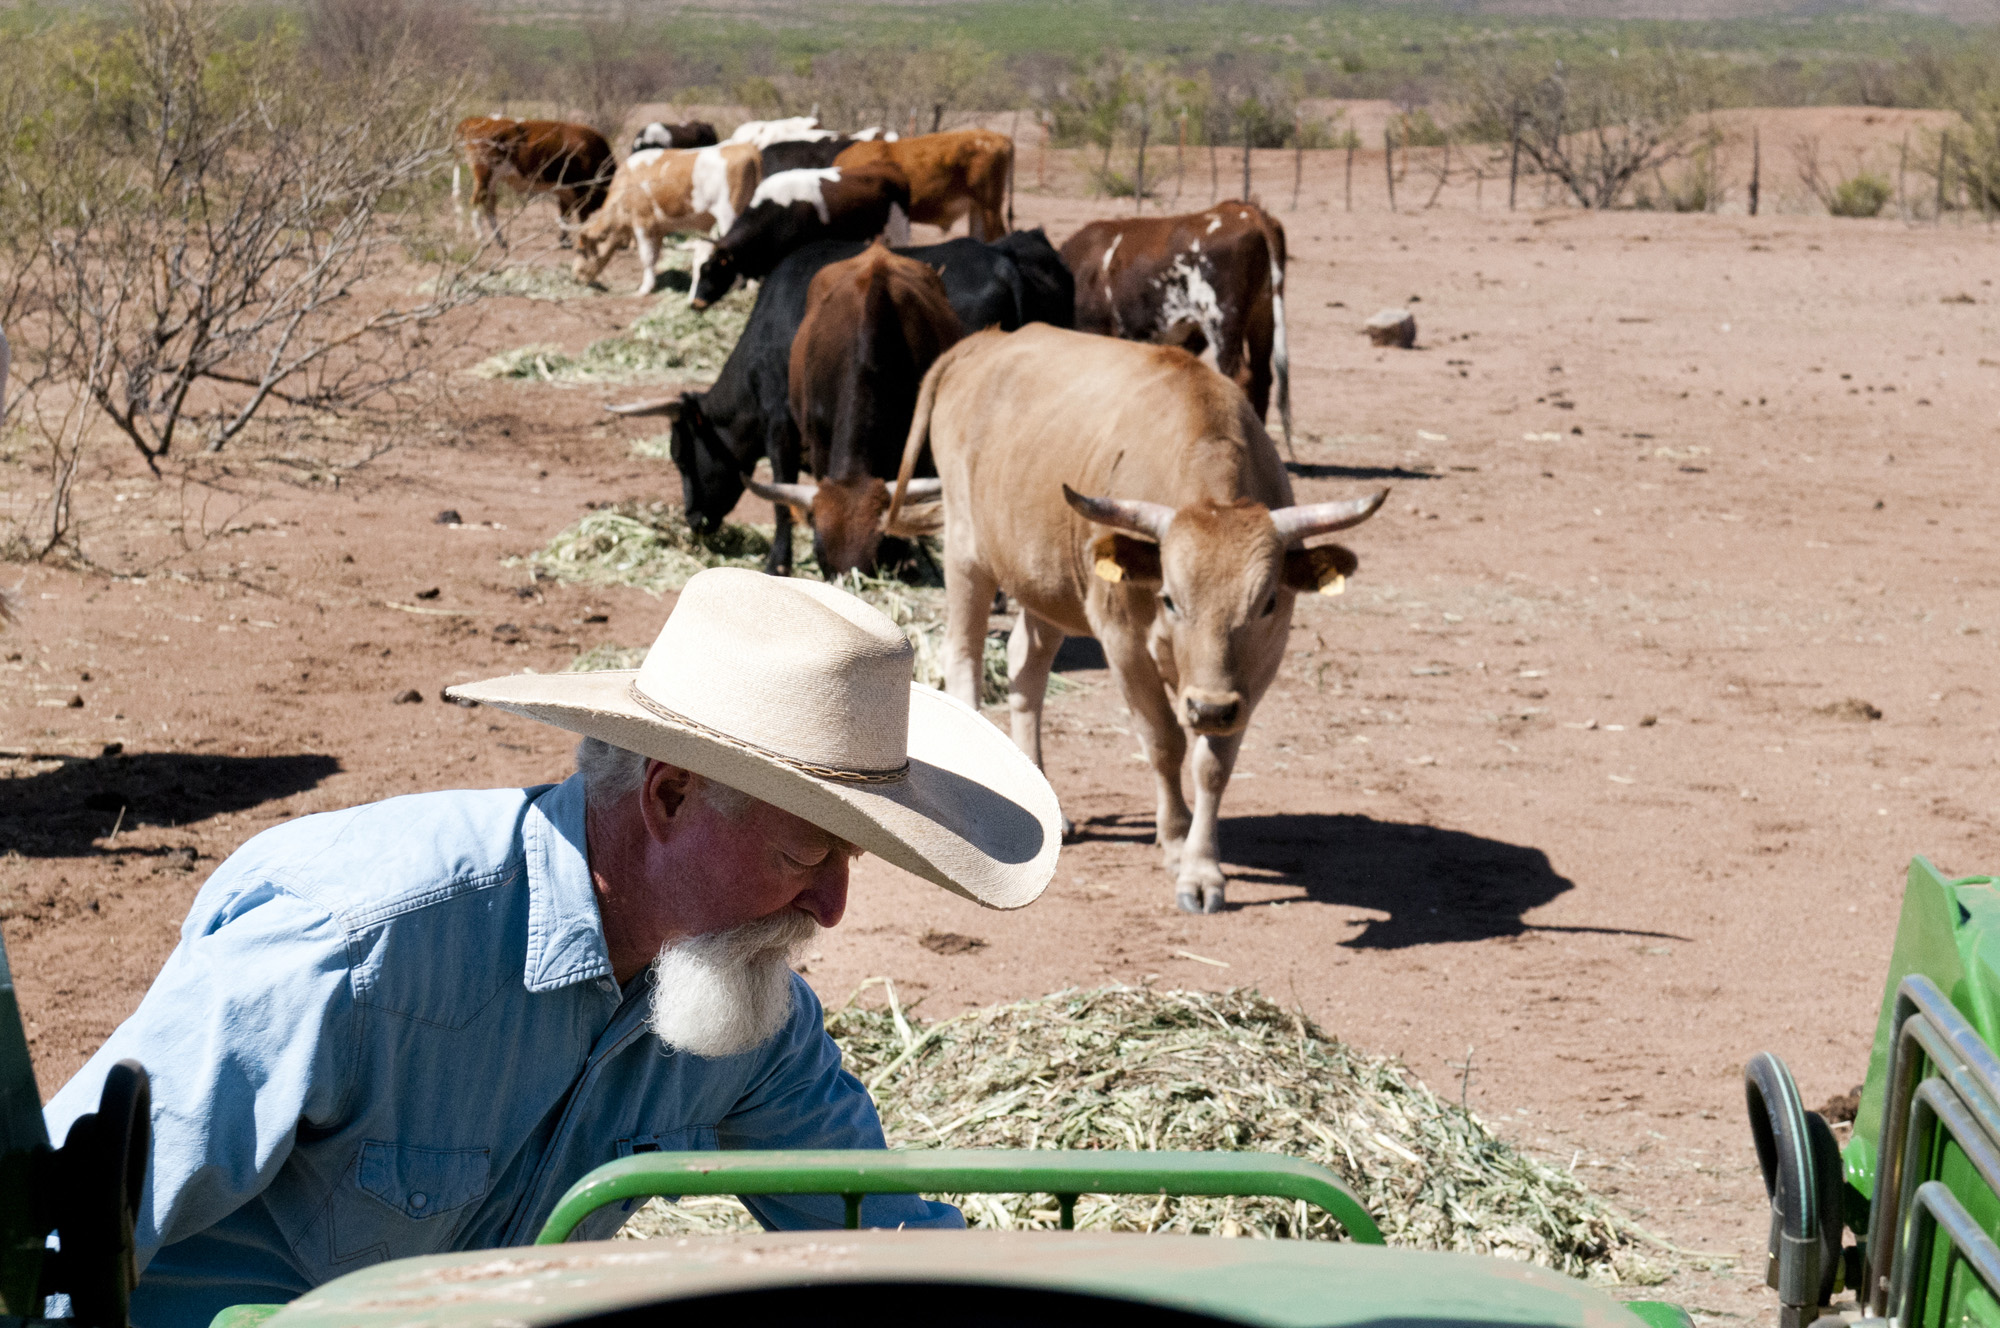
x: 611, y: 773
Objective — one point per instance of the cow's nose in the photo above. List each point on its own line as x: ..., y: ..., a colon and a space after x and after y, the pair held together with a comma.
x: 1212, y: 715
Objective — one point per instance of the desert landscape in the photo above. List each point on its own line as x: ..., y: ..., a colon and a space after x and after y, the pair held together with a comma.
x: 1674, y: 642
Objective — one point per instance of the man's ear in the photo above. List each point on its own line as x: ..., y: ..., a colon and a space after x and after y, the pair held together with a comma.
x: 663, y: 791
x: 1118, y: 557
x: 1324, y: 569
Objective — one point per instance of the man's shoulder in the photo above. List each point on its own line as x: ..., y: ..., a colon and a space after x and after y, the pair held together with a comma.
x: 366, y: 864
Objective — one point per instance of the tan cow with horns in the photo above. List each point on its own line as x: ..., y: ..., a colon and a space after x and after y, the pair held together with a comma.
x: 1126, y: 492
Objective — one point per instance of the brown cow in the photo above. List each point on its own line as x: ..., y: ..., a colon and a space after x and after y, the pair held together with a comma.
x: 1184, y: 562
x: 660, y: 191
x: 1206, y: 279
x: 962, y: 173
x: 874, y: 323
x: 571, y: 161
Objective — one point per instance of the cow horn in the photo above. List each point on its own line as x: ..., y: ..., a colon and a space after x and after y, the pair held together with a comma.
x: 925, y: 490
x: 668, y: 406
x: 1133, y: 514
x: 1298, y: 524
x: 792, y: 495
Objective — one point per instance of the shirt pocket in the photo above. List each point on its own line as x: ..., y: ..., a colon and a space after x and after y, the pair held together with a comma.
x: 424, y: 1183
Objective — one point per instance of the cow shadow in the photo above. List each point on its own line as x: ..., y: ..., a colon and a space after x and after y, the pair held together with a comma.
x: 1079, y: 654
x: 1436, y: 885
x: 1316, y: 470
x: 63, y: 812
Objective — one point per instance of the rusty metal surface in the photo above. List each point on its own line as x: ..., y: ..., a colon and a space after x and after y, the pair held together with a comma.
x: 1282, y: 1284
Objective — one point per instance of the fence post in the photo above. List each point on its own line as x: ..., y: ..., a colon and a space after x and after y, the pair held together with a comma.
x: 1139, y: 177
x: 1298, y: 157
x: 1903, y: 165
x: 1353, y: 141
x: 1944, y: 165
x: 1756, y: 167
x: 1514, y: 162
x: 1246, y: 161
x: 1389, y: 163
x: 1180, y: 159
x: 1214, y: 162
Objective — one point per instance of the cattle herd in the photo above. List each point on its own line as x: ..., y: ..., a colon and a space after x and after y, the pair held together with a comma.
x: 1047, y: 412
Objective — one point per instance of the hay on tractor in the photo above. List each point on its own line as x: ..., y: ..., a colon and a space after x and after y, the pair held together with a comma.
x: 1134, y: 1068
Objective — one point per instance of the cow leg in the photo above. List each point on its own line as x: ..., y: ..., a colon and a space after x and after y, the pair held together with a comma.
x: 1031, y: 653
x: 1201, y: 858
x: 1166, y: 748
x: 567, y: 201
x: 1257, y: 336
x: 968, y: 595
x: 649, y: 255
x: 781, y: 446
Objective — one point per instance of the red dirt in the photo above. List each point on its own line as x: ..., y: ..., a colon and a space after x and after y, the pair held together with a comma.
x: 1568, y: 781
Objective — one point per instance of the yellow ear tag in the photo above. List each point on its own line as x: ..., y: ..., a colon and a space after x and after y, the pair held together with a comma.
x: 1333, y: 585
x: 1108, y: 568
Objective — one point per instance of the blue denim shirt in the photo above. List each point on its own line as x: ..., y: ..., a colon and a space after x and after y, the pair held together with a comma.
x: 393, y: 1030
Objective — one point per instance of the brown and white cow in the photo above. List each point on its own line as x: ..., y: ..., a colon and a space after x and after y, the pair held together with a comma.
x: 874, y: 323
x: 661, y: 191
x: 1126, y: 492
x: 1206, y: 279
x: 571, y: 161
x: 962, y: 173
x: 792, y: 209
x: 660, y: 134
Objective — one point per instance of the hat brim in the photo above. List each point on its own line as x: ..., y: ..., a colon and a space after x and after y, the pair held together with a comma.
x: 973, y: 815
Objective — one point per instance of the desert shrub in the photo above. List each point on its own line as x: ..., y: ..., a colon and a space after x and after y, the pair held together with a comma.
x: 1862, y: 195
x: 1698, y: 187
x: 1594, y: 125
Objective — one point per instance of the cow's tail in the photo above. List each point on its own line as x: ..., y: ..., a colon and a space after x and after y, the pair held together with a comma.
x: 920, y: 430
x: 1281, y: 360
x: 1013, y: 151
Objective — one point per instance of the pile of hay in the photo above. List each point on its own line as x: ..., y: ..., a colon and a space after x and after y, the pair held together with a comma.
x: 671, y: 338
x: 1134, y: 1068
x: 650, y: 546
x: 530, y: 282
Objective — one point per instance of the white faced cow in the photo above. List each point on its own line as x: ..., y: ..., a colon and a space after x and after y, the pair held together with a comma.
x: 1127, y: 492
x: 658, y: 192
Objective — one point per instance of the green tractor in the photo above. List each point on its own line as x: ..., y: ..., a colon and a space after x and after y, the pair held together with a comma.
x: 1922, y: 1168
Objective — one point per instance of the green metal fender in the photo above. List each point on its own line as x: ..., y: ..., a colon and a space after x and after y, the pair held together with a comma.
x: 855, y: 1173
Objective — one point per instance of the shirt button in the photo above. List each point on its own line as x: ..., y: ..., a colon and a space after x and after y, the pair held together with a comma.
x: 419, y: 1199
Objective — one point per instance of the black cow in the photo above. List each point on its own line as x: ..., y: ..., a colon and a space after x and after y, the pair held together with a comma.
x: 794, y: 208
x: 801, y: 154
x: 693, y: 134
x: 719, y: 434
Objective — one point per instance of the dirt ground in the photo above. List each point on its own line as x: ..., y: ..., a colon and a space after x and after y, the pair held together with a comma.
x: 1581, y: 784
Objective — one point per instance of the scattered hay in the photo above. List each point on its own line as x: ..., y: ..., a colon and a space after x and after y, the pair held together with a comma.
x: 599, y: 658
x: 535, y: 283
x: 672, y: 337
x: 1133, y: 1068
x: 650, y: 546
x: 657, y: 447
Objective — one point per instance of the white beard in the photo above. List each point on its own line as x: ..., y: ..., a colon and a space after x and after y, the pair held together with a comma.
x: 729, y: 991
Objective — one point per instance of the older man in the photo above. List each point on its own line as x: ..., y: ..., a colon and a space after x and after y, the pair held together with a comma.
x: 409, y: 1027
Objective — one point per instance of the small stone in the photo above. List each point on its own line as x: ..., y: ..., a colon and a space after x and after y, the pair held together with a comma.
x: 432, y: 593
x: 410, y: 696
x: 449, y: 517
x: 76, y: 703
x: 1392, y: 327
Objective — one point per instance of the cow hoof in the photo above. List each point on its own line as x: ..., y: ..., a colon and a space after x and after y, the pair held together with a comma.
x: 1068, y: 831
x: 1188, y: 903
x: 1211, y: 898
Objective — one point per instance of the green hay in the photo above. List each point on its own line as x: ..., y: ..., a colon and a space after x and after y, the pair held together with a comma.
x: 598, y: 658
x: 535, y: 283
x: 657, y: 447
x: 1132, y: 1068
x: 671, y: 338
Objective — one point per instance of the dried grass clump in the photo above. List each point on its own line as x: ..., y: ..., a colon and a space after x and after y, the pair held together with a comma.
x: 672, y: 338
x: 529, y: 282
x: 651, y: 547
x: 1133, y: 1068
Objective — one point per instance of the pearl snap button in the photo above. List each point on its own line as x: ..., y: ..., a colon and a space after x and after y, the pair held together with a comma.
x: 419, y: 1199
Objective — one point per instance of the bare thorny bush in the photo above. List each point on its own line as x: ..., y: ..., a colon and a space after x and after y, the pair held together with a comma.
x: 197, y: 226
x: 1594, y: 128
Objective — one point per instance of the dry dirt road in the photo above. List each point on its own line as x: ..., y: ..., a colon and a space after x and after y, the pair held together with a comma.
x: 1579, y: 783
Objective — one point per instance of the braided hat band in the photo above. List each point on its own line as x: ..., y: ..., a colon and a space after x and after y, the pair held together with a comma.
x: 894, y: 776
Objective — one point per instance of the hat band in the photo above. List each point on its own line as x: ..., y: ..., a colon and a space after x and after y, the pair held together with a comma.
x: 803, y: 767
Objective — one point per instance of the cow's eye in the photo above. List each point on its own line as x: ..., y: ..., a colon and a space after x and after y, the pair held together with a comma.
x: 1167, y: 602
x: 1270, y: 606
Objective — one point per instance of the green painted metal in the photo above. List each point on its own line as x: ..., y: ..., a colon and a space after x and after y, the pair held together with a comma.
x: 1660, y: 1313
x: 1261, y: 1283
x: 251, y: 1316
x: 1950, y: 932
x: 24, y: 1151
x: 853, y: 1173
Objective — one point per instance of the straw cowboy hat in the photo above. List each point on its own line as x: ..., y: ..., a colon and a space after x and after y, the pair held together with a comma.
x: 800, y: 695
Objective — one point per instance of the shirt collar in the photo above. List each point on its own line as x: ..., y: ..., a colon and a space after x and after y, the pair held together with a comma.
x: 565, y: 934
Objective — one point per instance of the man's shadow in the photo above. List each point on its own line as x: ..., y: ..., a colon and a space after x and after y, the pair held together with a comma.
x: 62, y: 812
x: 1436, y: 885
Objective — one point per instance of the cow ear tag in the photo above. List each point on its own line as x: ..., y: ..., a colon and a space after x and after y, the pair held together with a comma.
x: 1333, y: 584
x: 1104, y: 552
